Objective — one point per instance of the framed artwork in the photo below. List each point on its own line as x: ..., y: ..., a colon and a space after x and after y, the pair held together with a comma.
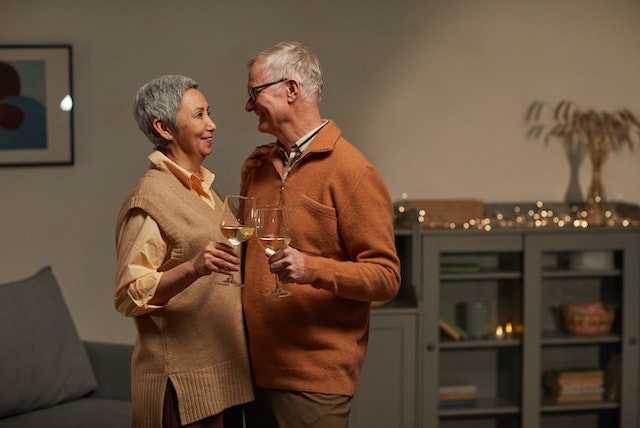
x: 36, y: 105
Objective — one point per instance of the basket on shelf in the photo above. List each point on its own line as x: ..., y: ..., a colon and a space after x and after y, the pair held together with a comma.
x: 589, y: 319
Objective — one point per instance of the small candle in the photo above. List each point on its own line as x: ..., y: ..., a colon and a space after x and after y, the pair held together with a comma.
x: 499, y: 332
x: 508, y: 329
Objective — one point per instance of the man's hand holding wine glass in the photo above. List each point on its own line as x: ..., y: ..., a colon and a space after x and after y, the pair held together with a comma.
x: 288, y: 264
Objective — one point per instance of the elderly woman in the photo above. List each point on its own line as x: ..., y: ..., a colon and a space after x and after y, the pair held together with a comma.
x: 190, y: 365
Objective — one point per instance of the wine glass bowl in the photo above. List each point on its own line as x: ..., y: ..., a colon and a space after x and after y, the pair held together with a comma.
x: 237, y: 224
x: 272, y: 231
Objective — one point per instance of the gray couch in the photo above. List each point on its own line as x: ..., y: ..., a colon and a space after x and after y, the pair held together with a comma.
x: 48, y: 376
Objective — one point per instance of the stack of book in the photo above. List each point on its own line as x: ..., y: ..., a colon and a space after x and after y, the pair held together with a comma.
x: 457, y: 395
x: 575, y: 386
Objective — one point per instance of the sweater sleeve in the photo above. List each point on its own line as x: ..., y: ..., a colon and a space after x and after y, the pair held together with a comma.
x: 365, y: 224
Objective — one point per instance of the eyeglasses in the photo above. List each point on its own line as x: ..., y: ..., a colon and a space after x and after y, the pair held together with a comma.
x: 253, y: 92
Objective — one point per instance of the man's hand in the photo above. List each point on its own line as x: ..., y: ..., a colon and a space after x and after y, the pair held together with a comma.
x: 288, y: 264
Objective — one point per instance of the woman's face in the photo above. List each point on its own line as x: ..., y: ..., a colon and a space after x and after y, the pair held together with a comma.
x: 194, y: 136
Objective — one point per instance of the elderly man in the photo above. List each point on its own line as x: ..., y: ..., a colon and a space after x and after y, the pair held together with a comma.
x: 307, y: 349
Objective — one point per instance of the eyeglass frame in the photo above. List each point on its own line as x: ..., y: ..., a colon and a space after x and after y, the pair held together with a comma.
x: 255, y: 91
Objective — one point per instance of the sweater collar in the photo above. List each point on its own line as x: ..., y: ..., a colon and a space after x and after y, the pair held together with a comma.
x: 324, y: 140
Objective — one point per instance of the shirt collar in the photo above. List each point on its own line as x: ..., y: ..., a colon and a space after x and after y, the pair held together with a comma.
x: 187, y: 178
x: 302, y: 143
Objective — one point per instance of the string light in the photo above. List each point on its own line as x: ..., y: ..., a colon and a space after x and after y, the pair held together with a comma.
x: 538, y: 215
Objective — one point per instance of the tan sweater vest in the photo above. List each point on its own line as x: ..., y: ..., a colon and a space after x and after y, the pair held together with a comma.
x: 197, y: 339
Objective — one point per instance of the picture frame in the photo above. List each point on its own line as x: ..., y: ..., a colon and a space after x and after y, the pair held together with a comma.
x: 36, y: 105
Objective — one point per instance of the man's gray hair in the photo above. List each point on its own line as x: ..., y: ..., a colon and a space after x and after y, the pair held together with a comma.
x: 292, y: 60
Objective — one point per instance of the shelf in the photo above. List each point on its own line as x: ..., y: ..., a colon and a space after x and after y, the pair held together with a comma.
x: 484, y: 406
x: 479, y: 344
x: 549, y: 406
x: 483, y: 275
x: 555, y: 338
x: 594, y: 273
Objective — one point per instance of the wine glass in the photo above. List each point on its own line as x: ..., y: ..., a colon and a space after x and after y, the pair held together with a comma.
x: 273, y: 234
x: 237, y: 225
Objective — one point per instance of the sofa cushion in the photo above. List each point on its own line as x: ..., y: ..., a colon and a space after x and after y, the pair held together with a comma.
x: 83, y: 413
x: 43, y: 360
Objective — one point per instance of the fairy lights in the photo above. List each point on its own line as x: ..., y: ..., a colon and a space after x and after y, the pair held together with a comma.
x: 537, y: 215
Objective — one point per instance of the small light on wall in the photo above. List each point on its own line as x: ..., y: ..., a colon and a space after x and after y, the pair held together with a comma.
x: 66, y: 104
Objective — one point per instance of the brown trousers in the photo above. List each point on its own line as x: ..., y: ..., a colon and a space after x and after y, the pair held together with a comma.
x: 291, y: 409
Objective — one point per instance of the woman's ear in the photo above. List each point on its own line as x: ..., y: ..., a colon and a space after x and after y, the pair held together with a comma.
x: 162, y: 129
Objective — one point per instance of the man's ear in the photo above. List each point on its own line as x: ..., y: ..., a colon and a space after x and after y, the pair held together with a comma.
x: 162, y: 129
x: 293, y: 89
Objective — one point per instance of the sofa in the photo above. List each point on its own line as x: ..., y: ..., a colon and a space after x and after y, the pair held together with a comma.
x: 49, y: 377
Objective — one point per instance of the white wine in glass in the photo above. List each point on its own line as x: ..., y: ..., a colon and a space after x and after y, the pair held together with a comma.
x: 237, y: 225
x: 273, y: 234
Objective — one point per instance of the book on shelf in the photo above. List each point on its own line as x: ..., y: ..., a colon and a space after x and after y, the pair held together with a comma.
x: 457, y: 391
x: 457, y: 394
x: 459, y: 268
x: 452, y: 387
x: 573, y: 379
x: 452, y: 330
x: 577, y: 391
x: 578, y: 398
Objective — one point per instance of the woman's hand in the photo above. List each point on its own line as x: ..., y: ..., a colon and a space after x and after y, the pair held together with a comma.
x: 254, y: 160
x: 216, y: 257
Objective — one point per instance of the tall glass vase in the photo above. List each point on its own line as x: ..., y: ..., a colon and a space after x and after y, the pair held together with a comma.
x: 575, y: 151
x: 596, y: 201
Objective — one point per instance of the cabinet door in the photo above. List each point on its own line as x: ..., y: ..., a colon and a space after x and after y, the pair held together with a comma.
x: 459, y: 268
x: 581, y: 267
x: 386, y: 395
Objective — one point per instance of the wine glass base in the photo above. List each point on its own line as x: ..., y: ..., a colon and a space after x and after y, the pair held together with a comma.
x: 279, y: 294
x: 230, y: 283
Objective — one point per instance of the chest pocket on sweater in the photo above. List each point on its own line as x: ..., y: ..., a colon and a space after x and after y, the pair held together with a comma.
x: 314, y: 228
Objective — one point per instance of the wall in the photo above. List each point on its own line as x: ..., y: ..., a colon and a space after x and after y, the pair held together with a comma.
x: 433, y: 92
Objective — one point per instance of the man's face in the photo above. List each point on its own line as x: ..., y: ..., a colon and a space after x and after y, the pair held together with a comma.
x: 270, y: 100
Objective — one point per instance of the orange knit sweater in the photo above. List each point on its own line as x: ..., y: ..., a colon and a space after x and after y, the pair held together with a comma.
x: 341, y: 219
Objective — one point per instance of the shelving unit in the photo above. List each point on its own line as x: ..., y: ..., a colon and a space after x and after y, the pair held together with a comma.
x: 525, y: 275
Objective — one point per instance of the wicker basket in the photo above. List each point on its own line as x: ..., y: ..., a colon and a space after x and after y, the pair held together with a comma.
x: 589, y: 319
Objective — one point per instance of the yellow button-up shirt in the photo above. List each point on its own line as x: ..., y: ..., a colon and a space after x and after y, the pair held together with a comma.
x: 143, y: 248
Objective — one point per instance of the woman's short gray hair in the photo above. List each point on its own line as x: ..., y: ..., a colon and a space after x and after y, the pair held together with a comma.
x: 292, y: 60
x: 160, y: 98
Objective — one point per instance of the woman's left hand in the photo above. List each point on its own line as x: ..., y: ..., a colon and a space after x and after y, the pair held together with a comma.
x: 217, y: 257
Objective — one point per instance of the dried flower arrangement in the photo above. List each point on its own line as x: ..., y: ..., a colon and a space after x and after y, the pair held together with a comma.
x: 597, y: 132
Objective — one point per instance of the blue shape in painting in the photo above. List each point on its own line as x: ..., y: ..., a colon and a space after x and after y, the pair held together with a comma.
x: 32, y: 133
